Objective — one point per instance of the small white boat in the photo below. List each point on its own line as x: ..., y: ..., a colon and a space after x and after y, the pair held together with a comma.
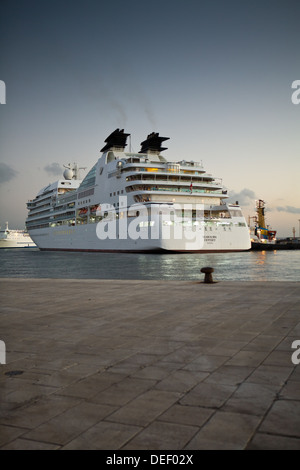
x: 15, y: 238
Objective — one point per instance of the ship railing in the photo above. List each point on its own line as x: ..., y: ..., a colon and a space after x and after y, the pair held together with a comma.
x: 65, y: 199
x: 158, y: 178
x: 37, y: 215
x: 169, y: 171
x: 172, y: 190
x: 39, y: 202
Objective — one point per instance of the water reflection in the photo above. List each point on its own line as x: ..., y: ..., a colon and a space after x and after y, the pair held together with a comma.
x: 249, y: 266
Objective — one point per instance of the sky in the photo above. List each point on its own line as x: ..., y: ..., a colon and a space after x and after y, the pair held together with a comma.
x: 214, y: 76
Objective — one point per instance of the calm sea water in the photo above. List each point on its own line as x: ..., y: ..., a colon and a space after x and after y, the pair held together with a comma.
x: 248, y: 266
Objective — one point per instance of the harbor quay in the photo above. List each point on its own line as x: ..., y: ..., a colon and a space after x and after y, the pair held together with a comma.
x: 126, y: 365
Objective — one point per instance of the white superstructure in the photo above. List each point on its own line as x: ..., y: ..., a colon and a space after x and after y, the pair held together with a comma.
x: 137, y: 202
x: 15, y: 238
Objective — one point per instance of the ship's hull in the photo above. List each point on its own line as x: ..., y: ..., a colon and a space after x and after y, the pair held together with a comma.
x: 203, y: 238
x: 17, y: 243
x: 280, y: 245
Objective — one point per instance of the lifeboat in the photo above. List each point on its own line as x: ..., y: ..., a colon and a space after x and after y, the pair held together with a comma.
x: 83, y: 212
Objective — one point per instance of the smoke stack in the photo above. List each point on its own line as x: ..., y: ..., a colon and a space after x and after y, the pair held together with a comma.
x: 116, y: 141
x: 153, y: 144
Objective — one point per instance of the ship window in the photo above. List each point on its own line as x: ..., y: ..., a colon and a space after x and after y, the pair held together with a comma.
x: 90, y: 178
x: 236, y: 213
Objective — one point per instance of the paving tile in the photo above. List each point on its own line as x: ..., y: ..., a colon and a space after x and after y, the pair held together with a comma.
x: 145, y: 408
x: 268, y: 374
x: 122, y: 392
x: 263, y: 342
x: 251, y: 398
x: 159, y: 371
x: 228, y: 348
x: 154, y: 345
x: 210, y: 395
x: 9, y: 434
x: 38, y: 411
x: 181, y: 380
x: 91, y: 385
x: 70, y: 424
x: 19, y: 392
x: 162, y: 436
x: 283, y: 419
x: 279, y: 358
x: 248, y: 358
x: 286, y: 343
x: 263, y: 441
x: 142, y: 359
x: 189, y: 415
x: 291, y: 391
x: 103, y: 436
x: 183, y: 355
x: 231, y: 431
x: 27, y: 444
x: 206, y: 362
x: 295, y: 375
x: 230, y: 375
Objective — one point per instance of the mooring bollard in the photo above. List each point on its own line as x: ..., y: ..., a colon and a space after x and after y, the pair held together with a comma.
x: 208, y: 279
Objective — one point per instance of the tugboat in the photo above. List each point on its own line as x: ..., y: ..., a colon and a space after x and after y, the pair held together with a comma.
x: 262, y: 238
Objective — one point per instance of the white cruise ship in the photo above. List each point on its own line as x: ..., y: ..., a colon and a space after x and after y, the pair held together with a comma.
x: 15, y: 238
x: 137, y: 202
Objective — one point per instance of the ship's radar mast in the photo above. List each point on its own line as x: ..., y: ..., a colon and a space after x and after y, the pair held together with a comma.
x: 72, y: 171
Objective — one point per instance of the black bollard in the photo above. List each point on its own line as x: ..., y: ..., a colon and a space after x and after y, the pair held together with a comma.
x: 208, y: 279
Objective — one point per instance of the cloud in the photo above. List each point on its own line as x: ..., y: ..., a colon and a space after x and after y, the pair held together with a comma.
x: 7, y: 173
x: 290, y: 209
x: 244, y: 197
x: 54, y: 169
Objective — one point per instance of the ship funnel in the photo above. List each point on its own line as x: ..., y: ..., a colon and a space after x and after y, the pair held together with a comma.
x: 116, y: 141
x: 153, y: 144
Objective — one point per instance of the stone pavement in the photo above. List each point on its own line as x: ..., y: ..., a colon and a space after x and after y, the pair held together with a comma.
x: 131, y: 365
